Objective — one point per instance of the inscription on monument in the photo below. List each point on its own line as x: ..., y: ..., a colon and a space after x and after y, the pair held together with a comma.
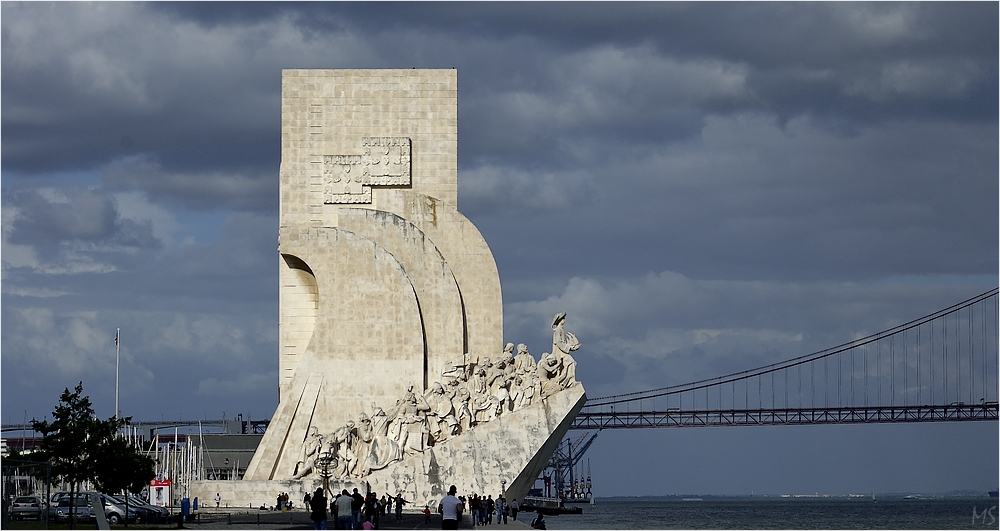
x: 348, y: 178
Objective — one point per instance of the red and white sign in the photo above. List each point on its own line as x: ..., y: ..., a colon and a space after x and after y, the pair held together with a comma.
x: 159, y: 493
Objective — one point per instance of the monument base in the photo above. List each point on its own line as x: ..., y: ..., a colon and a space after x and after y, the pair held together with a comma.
x: 503, y: 456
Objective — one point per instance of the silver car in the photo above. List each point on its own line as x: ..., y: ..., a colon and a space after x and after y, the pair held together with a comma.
x: 26, y: 507
x: 81, y: 511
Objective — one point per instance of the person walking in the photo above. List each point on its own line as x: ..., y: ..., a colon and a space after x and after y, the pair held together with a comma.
x: 513, y: 508
x: 449, y: 508
x: 318, y: 505
x: 218, y: 500
x: 474, y: 509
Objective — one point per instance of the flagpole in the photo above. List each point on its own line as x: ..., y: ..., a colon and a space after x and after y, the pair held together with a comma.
x: 118, y: 357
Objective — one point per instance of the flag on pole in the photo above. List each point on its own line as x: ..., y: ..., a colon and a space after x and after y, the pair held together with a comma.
x: 116, y: 337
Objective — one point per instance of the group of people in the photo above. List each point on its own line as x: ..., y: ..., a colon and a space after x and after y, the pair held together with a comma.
x: 352, y: 510
x: 282, y: 502
x: 357, y: 511
x: 484, y: 509
x: 474, y: 392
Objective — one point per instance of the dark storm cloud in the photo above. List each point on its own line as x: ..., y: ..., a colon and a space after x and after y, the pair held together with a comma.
x: 195, y: 190
x: 760, y: 202
x: 83, y: 216
x: 75, y: 97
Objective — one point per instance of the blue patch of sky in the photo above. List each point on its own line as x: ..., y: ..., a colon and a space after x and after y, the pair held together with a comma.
x: 199, y: 226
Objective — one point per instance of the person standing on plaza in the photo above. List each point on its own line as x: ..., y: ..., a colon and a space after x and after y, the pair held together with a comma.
x: 333, y: 510
x: 218, y: 500
x: 450, y: 507
x: 318, y: 505
x: 490, y: 507
x: 344, y: 517
x: 501, y: 509
x: 513, y: 508
x: 356, y: 505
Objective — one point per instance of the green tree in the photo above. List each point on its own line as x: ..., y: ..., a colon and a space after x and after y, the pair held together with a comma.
x: 82, y: 447
x: 122, y: 468
x: 71, y: 440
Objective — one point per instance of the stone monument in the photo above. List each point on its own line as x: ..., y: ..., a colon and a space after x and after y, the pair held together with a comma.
x: 393, y: 375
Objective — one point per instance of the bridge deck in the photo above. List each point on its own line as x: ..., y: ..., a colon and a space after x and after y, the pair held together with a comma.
x: 587, y: 420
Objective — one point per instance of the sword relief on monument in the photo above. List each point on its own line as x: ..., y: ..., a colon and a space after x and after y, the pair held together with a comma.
x: 348, y: 179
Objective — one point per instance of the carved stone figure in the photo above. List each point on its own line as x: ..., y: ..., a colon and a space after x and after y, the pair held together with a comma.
x: 440, y: 419
x: 311, y: 448
x: 482, y: 404
x: 383, y: 449
x: 549, y: 369
x: 414, y: 429
x: 501, y: 391
x: 362, y: 445
x: 457, y: 368
x: 563, y: 343
x: 524, y: 362
x: 463, y: 411
x: 343, y: 439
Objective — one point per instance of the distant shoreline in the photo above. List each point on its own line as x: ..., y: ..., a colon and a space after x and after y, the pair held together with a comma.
x: 793, y: 496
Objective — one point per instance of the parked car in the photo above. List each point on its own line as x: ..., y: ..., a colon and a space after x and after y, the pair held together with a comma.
x: 81, y: 506
x: 138, y: 510
x: 82, y: 512
x: 114, y: 511
x: 163, y: 512
x: 89, y: 500
x: 26, y: 507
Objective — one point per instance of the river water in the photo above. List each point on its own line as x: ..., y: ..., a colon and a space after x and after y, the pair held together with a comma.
x: 786, y: 513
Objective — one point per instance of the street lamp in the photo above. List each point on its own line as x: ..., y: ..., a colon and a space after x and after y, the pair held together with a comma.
x: 325, y: 462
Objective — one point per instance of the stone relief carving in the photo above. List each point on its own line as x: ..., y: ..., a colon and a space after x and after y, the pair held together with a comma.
x: 472, y: 393
x: 348, y: 179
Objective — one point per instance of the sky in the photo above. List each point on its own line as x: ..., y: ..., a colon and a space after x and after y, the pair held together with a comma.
x: 702, y: 187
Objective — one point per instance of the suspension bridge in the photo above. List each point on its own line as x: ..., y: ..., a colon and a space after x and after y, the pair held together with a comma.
x: 941, y: 367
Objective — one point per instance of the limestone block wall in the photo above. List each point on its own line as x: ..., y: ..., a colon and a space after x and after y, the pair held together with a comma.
x: 299, y: 300
x: 438, y: 297
x: 469, y: 258
x: 331, y: 113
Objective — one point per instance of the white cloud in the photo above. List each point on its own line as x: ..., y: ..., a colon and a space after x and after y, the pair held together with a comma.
x: 134, y: 205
